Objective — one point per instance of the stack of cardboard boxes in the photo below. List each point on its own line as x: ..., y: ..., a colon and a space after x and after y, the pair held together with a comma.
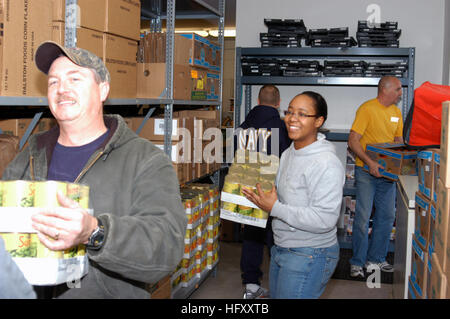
x: 110, y: 29
x: 18, y: 127
x: 196, y: 141
x: 430, y: 252
x: 196, y: 67
x: 23, y: 26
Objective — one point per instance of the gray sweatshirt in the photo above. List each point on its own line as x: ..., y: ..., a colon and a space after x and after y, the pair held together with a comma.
x: 309, y: 186
x: 13, y: 284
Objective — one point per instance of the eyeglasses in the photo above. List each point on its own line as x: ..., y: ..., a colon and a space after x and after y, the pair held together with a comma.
x: 298, y: 115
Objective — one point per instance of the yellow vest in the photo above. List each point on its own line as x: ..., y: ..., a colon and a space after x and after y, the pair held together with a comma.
x: 377, y: 123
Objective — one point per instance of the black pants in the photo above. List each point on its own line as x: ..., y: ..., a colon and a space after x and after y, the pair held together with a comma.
x: 252, y: 253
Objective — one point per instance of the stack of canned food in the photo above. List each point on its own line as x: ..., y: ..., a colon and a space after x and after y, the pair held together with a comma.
x: 25, y: 247
x: 248, y: 169
x: 201, y: 202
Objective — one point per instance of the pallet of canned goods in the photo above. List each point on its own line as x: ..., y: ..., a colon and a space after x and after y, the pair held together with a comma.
x: 19, y: 200
x: 247, y: 169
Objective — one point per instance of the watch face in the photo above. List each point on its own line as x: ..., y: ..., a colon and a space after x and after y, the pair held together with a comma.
x: 97, y: 237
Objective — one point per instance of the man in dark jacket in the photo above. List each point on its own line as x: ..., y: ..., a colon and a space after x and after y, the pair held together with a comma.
x: 263, y: 118
x: 136, y: 234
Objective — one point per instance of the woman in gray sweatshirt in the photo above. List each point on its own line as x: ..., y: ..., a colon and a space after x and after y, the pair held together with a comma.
x: 304, y: 203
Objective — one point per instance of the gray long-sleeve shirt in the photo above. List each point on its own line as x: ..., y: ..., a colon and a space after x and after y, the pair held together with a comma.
x: 309, y: 186
x: 12, y: 281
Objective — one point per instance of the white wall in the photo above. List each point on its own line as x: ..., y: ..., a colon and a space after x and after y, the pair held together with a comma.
x: 422, y: 24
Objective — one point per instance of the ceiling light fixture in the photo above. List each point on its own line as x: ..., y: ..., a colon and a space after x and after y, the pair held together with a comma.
x: 202, y: 33
x: 227, y: 33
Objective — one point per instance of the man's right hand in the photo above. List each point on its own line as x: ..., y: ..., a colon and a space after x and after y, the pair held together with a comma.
x: 374, y: 168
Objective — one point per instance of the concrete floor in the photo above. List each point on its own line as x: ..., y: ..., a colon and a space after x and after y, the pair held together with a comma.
x: 225, y: 283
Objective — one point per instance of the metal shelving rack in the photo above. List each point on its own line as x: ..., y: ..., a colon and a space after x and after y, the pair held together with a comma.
x: 155, y: 11
x: 367, y: 54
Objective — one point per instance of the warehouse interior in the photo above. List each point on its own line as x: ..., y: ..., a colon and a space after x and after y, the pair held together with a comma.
x: 163, y: 83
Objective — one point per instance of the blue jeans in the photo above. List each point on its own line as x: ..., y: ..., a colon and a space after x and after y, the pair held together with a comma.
x: 301, y: 273
x: 378, y: 192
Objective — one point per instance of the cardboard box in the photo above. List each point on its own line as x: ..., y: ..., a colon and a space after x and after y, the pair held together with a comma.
x: 179, y: 152
x: 215, y: 56
x: 395, y: 159
x: 180, y: 160
x: 180, y: 171
x: 18, y: 127
x: 206, y: 114
x: 425, y: 172
x: 422, y: 220
x: 162, y: 289
x: 226, y: 230
x: 153, y: 46
x: 120, y: 59
x: 199, y: 50
x: 429, y: 271
x: 10, y: 127
x: 24, y: 25
x: 118, y: 17
x: 444, y: 173
x: 412, y: 292
x: 151, y: 81
x: 446, y: 269
x: 438, y: 280
x: 201, y: 126
x: 212, y: 86
x: 419, y: 261
x: 87, y: 39
x: 436, y: 172
x: 432, y: 239
x: 198, y: 84
x: 154, y: 128
x: 441, y: 227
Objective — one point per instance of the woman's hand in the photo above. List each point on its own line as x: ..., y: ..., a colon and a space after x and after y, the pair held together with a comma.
x: 264, y: 200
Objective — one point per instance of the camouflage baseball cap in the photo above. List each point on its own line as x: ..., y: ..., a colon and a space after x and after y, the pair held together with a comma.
x: 49, y: 51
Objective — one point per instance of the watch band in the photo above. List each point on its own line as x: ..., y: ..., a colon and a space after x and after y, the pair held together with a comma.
x: 95, y: 241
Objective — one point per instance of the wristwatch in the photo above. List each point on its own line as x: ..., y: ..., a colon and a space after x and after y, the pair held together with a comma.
x: 95, y: 241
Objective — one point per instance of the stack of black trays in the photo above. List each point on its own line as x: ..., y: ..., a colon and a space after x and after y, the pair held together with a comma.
x: 296, y: 67
x: 334, y: 37
x: 260, y: 67
x: 344, y: 68
x: 283, y: 33
x: 384, y: 35
x: 255, y: 66
x: 379, y: 69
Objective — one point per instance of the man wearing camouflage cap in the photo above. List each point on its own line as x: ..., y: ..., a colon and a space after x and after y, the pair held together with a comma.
x: 136, y: 235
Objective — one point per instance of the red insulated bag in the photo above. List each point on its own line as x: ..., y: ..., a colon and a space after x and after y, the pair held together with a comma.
x: 422, y: 127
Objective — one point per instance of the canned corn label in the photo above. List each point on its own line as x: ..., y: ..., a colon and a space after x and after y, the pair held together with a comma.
x: 18, y: 194
x: 42, y: 251
x: 19, y: 245
x: 46, y: 193
x: 232, y: 188
x: 80, y: 194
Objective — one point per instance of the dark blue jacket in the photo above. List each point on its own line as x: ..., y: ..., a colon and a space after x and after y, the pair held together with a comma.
x: 260, y: 117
